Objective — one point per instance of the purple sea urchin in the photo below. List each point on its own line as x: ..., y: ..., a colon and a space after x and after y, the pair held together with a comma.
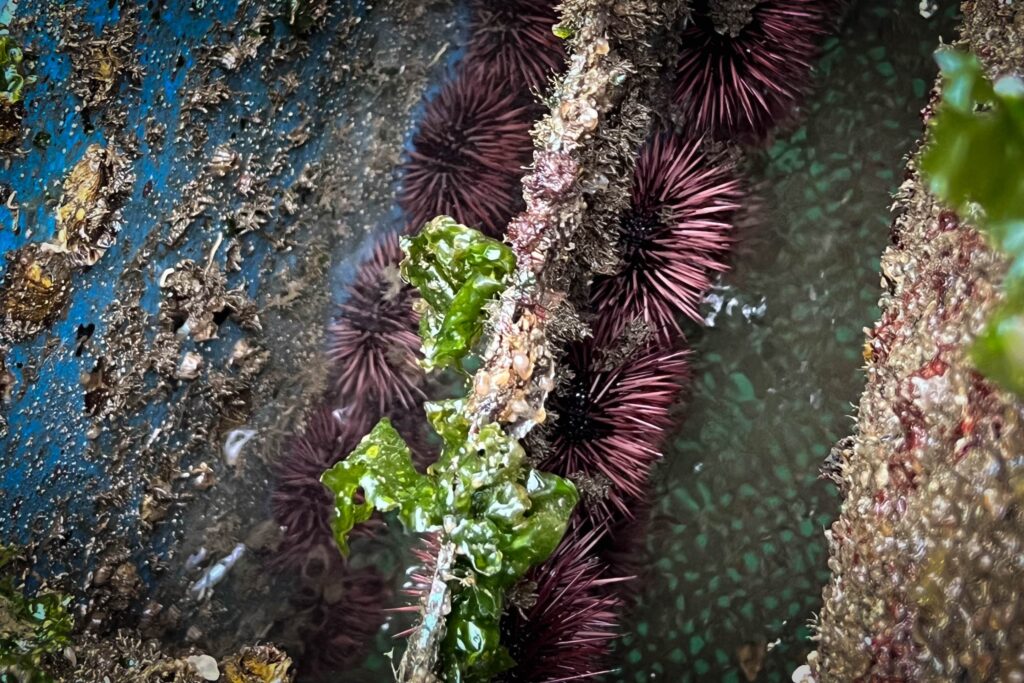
x: 299, y: 502
x: 420, y: 576
x: 609, y: 423
x: 564, y: 628
x: 513, y: 39
x: 674, y: 237
x: 740, y: 73
x: 374, y: 345
x: 468, y: 155
x: 338, y: 616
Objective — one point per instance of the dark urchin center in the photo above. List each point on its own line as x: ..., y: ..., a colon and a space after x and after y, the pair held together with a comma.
x: 503, y: 22
x: 576, y: 412
x: 453, y: 151
x: 637, y: 230
x: 381, y: 311
x: 380, y: 319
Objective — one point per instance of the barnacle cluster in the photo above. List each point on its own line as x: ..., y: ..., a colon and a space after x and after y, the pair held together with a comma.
x: 94, y: 190
x: 37, y: 283
x: 196, y: 299
x: 932, y: 468
x: 35, y: 289
x: 259, y: 664
x: 101, y: 64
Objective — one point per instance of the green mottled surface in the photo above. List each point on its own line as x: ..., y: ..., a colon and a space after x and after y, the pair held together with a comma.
x: 737, y: 552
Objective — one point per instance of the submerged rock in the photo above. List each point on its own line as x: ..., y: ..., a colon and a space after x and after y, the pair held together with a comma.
x: 927, y: 553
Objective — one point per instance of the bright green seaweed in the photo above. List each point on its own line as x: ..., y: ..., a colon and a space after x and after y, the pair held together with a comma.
x: 457, y: 271
x: 502, y: 516
x: 12, y: 77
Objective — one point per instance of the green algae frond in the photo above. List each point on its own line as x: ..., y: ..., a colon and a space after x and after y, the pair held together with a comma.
x: 500, y: 516
x: 457, y: 271
x: 12, y: 77
x: 975, y: 162
x: 30, y: 628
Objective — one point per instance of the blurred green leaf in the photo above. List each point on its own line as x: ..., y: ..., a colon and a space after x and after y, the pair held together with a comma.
x: 30, y: 628
x: 975, y: 162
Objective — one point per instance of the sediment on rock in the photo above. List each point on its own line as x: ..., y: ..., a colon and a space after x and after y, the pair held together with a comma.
x: 926, y: 553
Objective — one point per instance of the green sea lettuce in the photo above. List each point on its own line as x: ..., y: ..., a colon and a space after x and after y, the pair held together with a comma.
x: 457, y: 271
x: 502, y: 516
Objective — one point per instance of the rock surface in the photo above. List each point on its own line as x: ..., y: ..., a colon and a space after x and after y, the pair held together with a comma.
x: 926, y: 555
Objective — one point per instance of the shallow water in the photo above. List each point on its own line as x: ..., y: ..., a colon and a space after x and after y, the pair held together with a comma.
x: 737, y: 551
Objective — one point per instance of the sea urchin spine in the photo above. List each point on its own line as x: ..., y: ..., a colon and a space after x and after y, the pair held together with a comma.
x: 299, y: 502
x: 338, y: 616
x: 514, y: 40
x: 674, y: 237
x: 610, y: 424
x: 468, y: 155
x: 373, y: 345
x: 564, y: 628
x: 739, y: 78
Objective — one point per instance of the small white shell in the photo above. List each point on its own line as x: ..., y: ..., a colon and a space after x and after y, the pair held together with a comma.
x: 237, y: 438
x: 205, y: 666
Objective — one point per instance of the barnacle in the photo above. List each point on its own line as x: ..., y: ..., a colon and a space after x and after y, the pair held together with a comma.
x: 260, y: 664
x: 100, y: 64
x: 305, y: 15
x: 93, y: 191
x: 35, y: 289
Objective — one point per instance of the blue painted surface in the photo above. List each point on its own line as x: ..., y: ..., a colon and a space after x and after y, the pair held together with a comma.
x: 47, y: 463
x: 44, y: 460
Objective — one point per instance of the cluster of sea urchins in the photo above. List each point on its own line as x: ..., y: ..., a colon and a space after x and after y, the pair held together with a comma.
x: 472, y: 145
x: 743, y: 67
x: 372, y: 353
x: 612, y: 407
x: 739, y: 72
x: 467, y: 159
